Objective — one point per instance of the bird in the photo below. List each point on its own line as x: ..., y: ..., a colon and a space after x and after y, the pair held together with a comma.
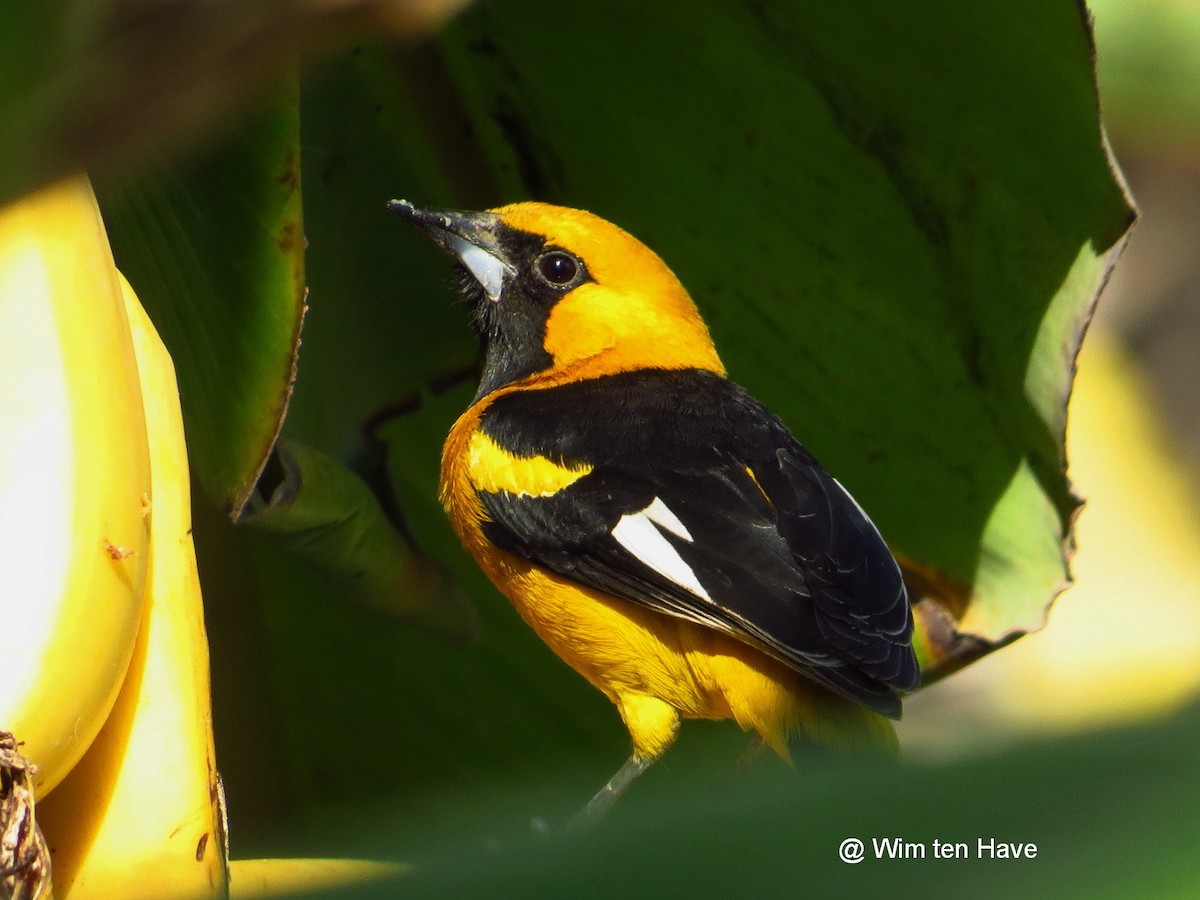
x: 656, y: 525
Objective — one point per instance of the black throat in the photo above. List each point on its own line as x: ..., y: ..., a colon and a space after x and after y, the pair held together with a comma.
x: 512, y: 329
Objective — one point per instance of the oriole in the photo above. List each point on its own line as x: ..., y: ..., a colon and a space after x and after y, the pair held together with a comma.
x: 656, y: 525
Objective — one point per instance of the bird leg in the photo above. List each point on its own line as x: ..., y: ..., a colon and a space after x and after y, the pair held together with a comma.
x: 599, y: 805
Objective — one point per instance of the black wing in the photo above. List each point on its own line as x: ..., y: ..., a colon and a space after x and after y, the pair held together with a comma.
x: 701, y: 504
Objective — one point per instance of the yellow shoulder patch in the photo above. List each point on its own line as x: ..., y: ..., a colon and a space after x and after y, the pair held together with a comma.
x: 493, y: 469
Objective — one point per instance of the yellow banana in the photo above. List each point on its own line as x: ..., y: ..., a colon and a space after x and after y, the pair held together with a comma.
x: 275, y: 879
x: 74, y: 478
x: 140, y: 817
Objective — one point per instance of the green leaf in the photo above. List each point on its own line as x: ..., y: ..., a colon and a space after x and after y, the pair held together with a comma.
x: 326, y: 515
x: 382, y: 325
x: 215, y: 251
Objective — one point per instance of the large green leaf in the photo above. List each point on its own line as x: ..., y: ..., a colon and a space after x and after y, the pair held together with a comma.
x: 215, y: 250
x: 381, y: 326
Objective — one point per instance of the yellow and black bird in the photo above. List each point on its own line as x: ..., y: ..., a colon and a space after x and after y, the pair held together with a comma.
x: 659, y: 528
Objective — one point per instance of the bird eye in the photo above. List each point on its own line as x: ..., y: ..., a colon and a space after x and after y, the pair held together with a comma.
x: 557, y: 267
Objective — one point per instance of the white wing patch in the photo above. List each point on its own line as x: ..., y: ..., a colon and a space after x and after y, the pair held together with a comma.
x: 659, y: 513
x: 639, y: 534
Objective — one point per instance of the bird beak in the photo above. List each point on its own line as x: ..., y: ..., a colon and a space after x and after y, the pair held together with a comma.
x: 468, y: 236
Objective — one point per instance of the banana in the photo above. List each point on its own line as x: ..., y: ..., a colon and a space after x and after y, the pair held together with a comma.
x: 141, y: 816
x: 74, y: 478
x: 275, y: 879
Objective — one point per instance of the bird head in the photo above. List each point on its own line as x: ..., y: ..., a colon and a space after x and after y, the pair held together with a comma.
x: 561, y: 294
